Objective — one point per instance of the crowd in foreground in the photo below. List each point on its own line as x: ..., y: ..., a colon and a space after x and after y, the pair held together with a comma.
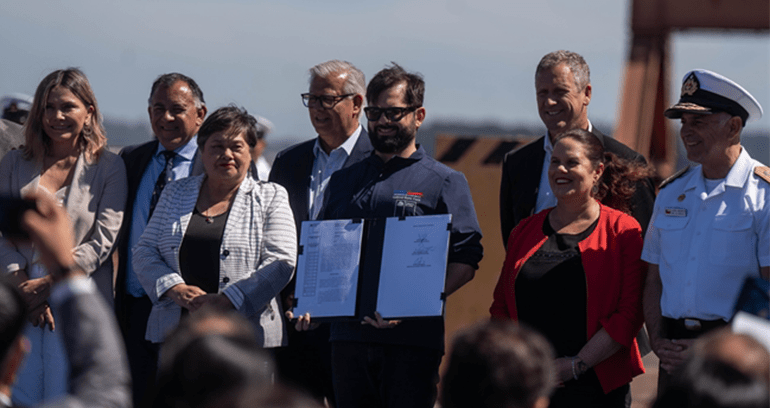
x: 204, y: 291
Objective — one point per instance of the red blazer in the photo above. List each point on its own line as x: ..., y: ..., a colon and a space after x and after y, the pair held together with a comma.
x: 614, y: 281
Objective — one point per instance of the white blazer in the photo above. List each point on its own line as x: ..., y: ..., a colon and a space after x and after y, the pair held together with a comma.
x: 257, y: 255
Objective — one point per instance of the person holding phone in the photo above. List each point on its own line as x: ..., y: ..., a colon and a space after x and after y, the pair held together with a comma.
x: 64, y: 156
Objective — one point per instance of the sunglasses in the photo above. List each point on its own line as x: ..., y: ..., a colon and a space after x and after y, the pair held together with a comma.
x: 392, y: 114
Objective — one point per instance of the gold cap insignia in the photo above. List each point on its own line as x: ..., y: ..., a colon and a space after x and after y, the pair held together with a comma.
x: 690, y: 85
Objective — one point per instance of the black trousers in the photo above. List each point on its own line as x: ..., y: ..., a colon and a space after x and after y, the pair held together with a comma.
x: 384, y: 375
x: 142, y: 354
x: 676, y: 329
x: 306, y: 363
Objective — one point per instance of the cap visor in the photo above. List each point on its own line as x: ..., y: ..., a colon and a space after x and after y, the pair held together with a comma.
x: 676, y: 111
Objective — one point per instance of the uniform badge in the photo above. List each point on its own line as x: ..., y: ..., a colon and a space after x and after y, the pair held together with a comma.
x: 690, y: 85
x: 676, y: 212
x: 680, y: 198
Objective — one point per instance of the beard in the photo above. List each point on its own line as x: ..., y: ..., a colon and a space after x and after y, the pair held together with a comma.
x: 394, y: 143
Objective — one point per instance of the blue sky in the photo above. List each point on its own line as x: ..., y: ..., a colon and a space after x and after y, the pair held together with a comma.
x: 478, y: 58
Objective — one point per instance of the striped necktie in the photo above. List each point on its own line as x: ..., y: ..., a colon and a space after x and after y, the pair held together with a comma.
x: 165, y: 176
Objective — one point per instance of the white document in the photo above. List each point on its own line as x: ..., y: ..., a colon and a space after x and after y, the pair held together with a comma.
x: 413, y: 270
x: 327, y: 269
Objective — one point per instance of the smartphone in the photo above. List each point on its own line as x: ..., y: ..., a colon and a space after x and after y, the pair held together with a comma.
x: 11, y: 210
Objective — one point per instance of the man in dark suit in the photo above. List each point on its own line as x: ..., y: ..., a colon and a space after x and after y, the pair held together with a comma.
x: 335, y: 101
x: 563, y: 88
x: 98, y: 375
x: 176, y: 109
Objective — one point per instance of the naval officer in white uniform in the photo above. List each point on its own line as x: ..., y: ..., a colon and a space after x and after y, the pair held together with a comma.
x: 710, y: 227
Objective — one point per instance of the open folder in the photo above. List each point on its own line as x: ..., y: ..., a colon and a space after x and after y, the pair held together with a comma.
x: 348, y: 269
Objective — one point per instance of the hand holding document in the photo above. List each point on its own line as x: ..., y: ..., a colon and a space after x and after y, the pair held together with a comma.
x: 373, y: 270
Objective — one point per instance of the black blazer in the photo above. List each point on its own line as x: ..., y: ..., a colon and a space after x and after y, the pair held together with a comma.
x: 291, y: 169
x: 136, y: 158
x: 520, y: 183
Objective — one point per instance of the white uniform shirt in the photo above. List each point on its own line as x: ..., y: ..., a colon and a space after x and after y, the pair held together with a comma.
x: 706, y: 244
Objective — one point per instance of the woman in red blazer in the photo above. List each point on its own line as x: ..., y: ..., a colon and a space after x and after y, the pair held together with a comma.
x: 574, y: 273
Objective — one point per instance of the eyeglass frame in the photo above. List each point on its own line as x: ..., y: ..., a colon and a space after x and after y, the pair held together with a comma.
x: 402, y: 111
x: 307, y: 97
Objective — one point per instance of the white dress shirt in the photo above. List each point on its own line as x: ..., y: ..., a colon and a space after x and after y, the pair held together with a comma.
x: 324, y: 166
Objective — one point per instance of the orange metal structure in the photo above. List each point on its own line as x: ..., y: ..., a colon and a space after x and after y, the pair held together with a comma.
x: 640, y: 123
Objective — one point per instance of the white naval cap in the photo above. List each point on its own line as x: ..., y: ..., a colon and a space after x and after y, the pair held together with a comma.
x: 264, y: 126
x: 705, y: 92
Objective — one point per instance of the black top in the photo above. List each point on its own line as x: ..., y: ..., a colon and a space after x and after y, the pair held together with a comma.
x: 199, y: 253
x: 551, y: 291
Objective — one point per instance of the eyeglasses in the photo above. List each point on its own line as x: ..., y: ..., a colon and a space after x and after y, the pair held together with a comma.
x: 392, y: 114
x: 326, y: 101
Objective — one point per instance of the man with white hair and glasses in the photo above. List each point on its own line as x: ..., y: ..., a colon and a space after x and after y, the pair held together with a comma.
x: 335, y: 101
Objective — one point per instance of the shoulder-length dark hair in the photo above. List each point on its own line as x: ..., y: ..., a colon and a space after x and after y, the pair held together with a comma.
x: 92, y: 139
x: 617, y: 185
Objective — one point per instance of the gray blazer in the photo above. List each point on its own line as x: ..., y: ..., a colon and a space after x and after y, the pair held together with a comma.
x: 95, y: 203
x: 257, y: 255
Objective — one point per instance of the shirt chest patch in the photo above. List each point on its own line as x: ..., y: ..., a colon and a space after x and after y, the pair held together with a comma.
x: 404, y: 198
x: 406, y: 201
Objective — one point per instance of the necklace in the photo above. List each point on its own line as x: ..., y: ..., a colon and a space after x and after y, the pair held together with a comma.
x: 209, y: 218
x: 204, y: 200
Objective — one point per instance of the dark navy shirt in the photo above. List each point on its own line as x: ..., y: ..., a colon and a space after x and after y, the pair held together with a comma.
x: 418, y: 185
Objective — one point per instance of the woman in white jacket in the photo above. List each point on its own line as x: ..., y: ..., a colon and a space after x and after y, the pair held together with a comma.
x: 221, y: 238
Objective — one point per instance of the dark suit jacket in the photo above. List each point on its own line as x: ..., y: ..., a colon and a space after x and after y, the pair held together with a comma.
x: 292, y: 168
x: 136, y: 158
x: 520, y: 183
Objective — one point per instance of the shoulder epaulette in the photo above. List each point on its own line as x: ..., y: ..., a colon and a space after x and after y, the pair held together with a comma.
x: 674, y: 177
x: 763, y: 173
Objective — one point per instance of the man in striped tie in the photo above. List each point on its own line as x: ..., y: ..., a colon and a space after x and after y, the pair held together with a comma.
x: 176, y: 109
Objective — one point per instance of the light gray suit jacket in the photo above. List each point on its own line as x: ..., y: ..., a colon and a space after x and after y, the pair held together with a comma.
x: 95, y: 203
x: 257, y: 255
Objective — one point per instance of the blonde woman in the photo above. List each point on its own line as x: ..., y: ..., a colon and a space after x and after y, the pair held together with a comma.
x: 64, y: 155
